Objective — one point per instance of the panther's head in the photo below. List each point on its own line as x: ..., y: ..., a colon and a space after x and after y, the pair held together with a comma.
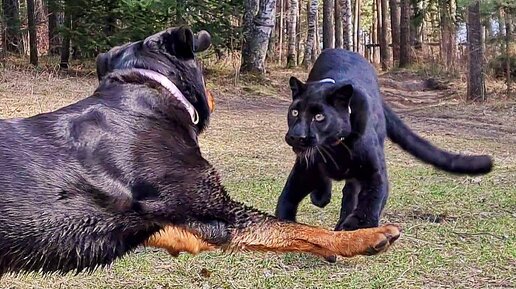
x: 324, y: 113
x: 170, y: 53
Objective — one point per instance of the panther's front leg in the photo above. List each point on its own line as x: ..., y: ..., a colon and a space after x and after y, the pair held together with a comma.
x: 369, y: 203
x: 303, y: 180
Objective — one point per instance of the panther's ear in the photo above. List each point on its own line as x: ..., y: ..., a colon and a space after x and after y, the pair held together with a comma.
x: 343, y: 91
x: 175, y: 41
x: 297, y: 87
x: 202, y: 41
x: 357, y: 105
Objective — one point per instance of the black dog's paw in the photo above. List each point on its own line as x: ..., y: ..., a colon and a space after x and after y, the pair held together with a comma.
x: 353, y: 222
x: 320, y: 199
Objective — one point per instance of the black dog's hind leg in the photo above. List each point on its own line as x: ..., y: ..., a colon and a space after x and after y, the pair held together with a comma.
x: 302, y: 181
x: 369, y: 204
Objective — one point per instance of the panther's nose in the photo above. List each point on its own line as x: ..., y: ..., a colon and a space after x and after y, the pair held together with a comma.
x: 298, y: 140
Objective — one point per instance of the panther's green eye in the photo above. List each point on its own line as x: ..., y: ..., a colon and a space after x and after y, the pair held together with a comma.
x: 319, y: 117
x: 294, y: 112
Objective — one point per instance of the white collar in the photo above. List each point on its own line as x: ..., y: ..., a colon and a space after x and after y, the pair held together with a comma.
x: 172, y: 88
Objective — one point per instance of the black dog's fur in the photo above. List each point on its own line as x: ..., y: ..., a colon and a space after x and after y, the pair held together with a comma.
x: 334, y: 145
x: 83, y: 185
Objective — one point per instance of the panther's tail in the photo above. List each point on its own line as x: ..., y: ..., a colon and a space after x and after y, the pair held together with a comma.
x: 402, y: 135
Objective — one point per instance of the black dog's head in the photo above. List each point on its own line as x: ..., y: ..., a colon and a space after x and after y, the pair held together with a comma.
x: 324, y: 113
x: 172, y: 54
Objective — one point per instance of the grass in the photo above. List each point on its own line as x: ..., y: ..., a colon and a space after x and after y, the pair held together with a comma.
x: 459, y: 232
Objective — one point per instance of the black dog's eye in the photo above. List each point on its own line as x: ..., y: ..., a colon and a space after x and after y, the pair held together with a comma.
x: 294, y: 112
x: 319, y: 117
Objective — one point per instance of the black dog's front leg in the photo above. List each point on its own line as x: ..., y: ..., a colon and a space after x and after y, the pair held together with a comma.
x: 302, y: 181
x: 369, y: 204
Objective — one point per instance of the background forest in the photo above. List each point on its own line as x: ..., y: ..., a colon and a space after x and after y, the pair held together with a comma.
x: 439, y: 34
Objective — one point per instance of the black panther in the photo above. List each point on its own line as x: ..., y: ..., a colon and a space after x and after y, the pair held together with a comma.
x: 86, y: 184
x: 337, y: 124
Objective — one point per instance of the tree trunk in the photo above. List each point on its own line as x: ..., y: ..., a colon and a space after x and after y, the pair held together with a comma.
x: 448, y: 32
x: 53, y: 32
x: 375, y: 33
x: 339, y: 5
x: 317, y: 45
x: 328, y: 31
x: 310, y: 35
x: 33, y: 35
x: 281, y: 30
x: 67, y: 25
x: 475, y: 54
x: 12, y: 33
x: 356, y: 27
x: 384, y: 36
x: 298, y: 33
x: 41, y: 17
x: 508, y: 41
x: 395, y: 30
x: 291, y: 31
x: 257, y: 30
x: 110, y: 19
x: 405, y: 34
x: 346, y: 25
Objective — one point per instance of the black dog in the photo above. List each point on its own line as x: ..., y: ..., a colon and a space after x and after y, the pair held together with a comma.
x: 86, y: 184
x: 337, y: 126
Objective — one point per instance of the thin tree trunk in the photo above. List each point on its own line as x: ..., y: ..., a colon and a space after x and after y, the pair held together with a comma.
x: 12, y: 33
x: 475, y: 54
x: 292, y: 35
x: 328, y: 31
x: 448, y: 34
x: 110, y: 19
x: 508, y: 41
x: 339, y: 5
x: 67, y: 25
x: 346, y: 25
x: 281, y: 30
x: 257, y: 32
x: 298, y: 32
x: 375, y: 34
x: 310, y: 35
x: 384, y: 36
x: 356, y: 26
x: 317, y: 45
x: 405, y: 34
x: 395, y: 30
x: 33, y: 35
x: 53, y: 32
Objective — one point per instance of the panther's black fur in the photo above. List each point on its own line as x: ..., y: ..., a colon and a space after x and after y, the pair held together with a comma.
x: 338, y: 122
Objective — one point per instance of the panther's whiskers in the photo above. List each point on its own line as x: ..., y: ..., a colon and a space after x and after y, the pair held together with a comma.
x: 346, y: 147
x: 322, y: 155
x: 330, y: 156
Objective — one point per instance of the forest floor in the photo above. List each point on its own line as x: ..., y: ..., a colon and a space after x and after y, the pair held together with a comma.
x: 459, y: 232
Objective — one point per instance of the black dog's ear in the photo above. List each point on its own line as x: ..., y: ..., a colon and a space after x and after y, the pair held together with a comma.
x: 297, y: 87
x: 175, y: 41
x: 102, y: 63
x: 202, y: 41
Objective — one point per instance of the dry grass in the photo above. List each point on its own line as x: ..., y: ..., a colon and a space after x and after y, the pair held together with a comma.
x: 460, y: 232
